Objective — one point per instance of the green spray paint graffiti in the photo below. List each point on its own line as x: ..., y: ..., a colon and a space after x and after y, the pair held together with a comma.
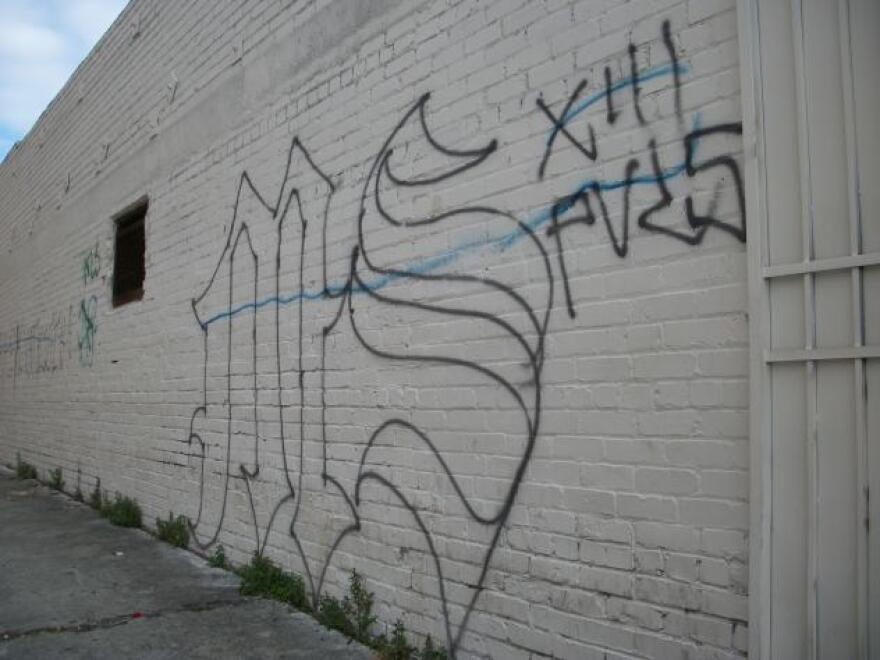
x: 91, y: 264
x: 88, y: 312
x: 47, y: 345
x: 88, y: 307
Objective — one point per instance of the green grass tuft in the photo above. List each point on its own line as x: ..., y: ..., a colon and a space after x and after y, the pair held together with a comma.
x: 431, y: 652
x: 333, y: 615
x: 95, y: 499
x: 174, y: 530
x: 23, y: 469
x: 396, y: 648
x: 353, y: 617
x: 263, y: 578
x: 56, y: 482
x: 123, y: 511
x: 358, y: 605
x: 218, y: 559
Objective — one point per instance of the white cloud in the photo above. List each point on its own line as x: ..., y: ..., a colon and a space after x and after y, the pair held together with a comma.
x: 89, y: 19
x: 21, y: 41
x: 41, y: 44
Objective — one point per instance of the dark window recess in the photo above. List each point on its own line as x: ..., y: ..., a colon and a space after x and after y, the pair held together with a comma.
x: 128, y: 259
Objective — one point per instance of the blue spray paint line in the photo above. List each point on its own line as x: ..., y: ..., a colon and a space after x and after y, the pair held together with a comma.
x: 650, y: 74
x: 499, y: 243
x: 6, y: 345
x: 379, y: 283
x: 562, y: 207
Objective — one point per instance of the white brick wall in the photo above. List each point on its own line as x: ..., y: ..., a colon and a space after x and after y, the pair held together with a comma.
x: 595, y: 463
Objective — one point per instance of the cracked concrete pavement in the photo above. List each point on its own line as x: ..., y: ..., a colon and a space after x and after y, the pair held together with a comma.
x: 74, y: 586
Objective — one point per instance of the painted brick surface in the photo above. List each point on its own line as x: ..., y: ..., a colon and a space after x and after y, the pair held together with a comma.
x: 452, y: 293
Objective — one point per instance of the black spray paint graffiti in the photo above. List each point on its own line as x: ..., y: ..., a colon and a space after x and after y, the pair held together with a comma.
x: 523, y: 389
x: 41, y: 347
x: 228, y: 437
x: 590, y: 197
x: 366, y: 276
x: 239, y: 241
x: 45, y: 347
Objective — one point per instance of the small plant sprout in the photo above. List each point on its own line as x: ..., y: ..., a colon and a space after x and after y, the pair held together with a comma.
x: 218, y: 558
x: 95, y: 499
x: 263, y: 578
x: 396, y: 648
x: 173, y: 531
x: 23, y: 469
x: 123, y: 511
x: 56, y: 481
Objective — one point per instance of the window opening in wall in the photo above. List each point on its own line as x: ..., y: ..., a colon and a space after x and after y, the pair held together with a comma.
x: 128, y: 259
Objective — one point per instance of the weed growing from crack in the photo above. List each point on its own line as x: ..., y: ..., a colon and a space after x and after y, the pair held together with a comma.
x: 77, y: 493
x: 218, y: 559
x: 56, y: 482
x: 23, y: 469
x: 173, y: 531
x: 399, y: 648
x: 263, y: 578
x: 123, y: 511
x: 95, y: 499
x: 332, y: 614
x: 396, y: 648
x: 431, y: 652
x: 353, y: 617
x: 358, y: 606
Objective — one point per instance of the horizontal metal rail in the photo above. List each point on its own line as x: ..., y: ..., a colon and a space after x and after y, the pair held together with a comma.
x: 811, y: 354
x: 820, y: 265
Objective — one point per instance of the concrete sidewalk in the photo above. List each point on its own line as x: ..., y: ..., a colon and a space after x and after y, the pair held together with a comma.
x: 74, y: 586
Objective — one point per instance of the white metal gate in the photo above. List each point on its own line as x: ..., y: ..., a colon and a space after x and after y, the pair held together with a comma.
x: 811, y: 98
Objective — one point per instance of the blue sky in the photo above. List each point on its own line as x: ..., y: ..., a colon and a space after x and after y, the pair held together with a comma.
x: 41, y: 43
